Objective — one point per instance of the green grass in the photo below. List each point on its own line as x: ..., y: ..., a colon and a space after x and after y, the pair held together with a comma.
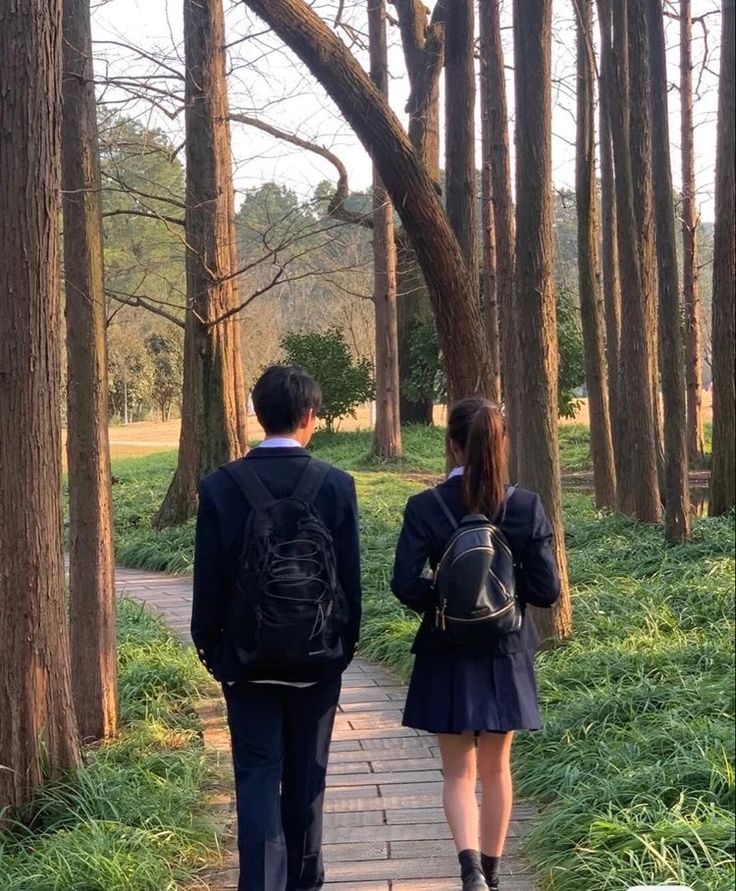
x: 133, y: 818
x: 634, y: 770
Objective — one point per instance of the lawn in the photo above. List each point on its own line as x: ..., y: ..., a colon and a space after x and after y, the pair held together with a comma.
x: 634, y: 770
x: 135, y: 816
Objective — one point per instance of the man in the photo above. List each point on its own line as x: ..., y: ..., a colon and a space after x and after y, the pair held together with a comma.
x: 281, y: 692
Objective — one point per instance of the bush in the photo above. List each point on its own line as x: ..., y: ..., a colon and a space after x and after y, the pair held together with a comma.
x: 346, y: 383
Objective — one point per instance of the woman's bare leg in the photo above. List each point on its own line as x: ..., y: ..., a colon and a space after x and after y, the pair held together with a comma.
x: 494, y: 767
x: 458, y: 793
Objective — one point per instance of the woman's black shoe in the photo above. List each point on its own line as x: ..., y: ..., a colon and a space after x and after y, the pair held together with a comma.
x: 471, y: 871
x: 490, y: 871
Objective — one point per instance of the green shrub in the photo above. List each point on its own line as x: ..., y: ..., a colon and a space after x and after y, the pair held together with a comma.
x: 346, y: 382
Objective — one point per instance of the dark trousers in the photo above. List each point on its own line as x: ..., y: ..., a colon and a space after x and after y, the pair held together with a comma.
x: 280, y: 741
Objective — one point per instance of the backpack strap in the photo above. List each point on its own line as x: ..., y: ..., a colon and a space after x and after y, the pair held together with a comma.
x: 250, y: 484
x: 311, y: 481
x: 445, y: 509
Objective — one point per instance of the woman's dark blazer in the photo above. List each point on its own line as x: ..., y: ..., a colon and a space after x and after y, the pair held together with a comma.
x: 425, y: 534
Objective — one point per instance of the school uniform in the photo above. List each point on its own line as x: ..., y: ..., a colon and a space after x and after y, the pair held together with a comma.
x: 454, y: 689
x: 280, y: 731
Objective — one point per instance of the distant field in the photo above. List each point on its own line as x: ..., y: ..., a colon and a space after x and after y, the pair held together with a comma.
x: 147, y: 437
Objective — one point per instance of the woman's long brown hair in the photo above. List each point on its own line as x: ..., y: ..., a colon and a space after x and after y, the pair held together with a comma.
x: 478, y: 427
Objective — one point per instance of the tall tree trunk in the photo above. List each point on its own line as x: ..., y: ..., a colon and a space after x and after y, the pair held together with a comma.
x: 677, y: 488
x: 460, y: 129
x: 213, y: 428
x: 492, y: 57
x: 413, y: 191
x: 538, y: 453
x: 423, y: 42
x: 387, y: 432
x: 91, y: 578
x: 640, y: 144
x: 723, y: 473
x: 637, y: 483
x: 691, y: 291
x: 591, y: 305
x: 609, y: 240
x: 38, y: 733
x: 488, y: 278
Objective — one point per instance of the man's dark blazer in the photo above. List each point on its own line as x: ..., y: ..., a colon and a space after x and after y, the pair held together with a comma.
x: 221, y: 520
x: 424, y: 537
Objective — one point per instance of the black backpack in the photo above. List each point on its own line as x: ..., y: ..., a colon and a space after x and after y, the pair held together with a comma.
x: 475, y: 582
x: 287, y: 616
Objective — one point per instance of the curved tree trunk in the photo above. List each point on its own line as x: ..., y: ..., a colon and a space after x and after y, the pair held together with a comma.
x: 387, y: 432
x: 91, y: 578
x: 214, y: 417
x: 492, y: 57
x: 637, y: 483
x: 691, y: 291
x: 538, y: 454
x: 412, y: 189
x: 677, y: 488
x: 591, y: 306
x: 723, y: 473
x: 610, y: 264
x: 38, y: 733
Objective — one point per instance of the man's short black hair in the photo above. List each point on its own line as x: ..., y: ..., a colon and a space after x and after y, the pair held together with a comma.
x: 282, y: 396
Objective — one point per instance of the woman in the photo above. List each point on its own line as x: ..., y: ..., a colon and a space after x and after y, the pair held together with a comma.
x: 474, y: 699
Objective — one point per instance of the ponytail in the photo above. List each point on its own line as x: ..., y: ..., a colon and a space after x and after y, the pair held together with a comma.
x: 478, y: 427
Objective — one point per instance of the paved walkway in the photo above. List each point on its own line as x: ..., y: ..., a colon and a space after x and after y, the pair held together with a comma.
x: 384, y: 827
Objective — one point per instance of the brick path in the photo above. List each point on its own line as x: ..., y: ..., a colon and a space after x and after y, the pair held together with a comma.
x: 384, y: 827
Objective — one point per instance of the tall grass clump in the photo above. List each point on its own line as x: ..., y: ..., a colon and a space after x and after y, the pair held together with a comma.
x: 133, y: 817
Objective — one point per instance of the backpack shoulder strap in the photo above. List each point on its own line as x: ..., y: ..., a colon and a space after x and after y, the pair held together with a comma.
x: 445, y: 509
x: 311, y: 481
x: 250, y: 484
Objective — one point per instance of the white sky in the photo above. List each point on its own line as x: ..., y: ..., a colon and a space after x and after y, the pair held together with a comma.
x: 267, y: 81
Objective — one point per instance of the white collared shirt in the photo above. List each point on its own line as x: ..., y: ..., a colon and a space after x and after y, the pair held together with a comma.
x: 279, y: 442
x: 456, y: 471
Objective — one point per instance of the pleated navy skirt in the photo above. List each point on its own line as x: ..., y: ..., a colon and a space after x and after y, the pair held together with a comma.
x: 457, y: 692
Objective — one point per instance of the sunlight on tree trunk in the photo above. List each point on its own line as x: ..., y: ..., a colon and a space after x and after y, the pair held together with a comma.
x: 539, y: 466
x: 690, y: 259
x: 637, y: 483
x: 723, y: 473
x: 91, y: 575
x: 677, y: 486
x: 38, y: 732
x: 214, y: 415
x: 591, y: 304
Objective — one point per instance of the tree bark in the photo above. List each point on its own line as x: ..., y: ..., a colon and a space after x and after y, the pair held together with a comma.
x: 214, y: 418
x: 538, y: 455
x: 91, y: 577
x: 610, y: 264
x: 387, y: 431
x: 423, y: 41
x: 677, y: 487
x: 637, y: 483
x: 591, y: 305
x: 691, y: 291
x: 488, y: 278
x: 723, y: 472
x: 457, y: 313
x: 38, y: 734
x: 492, y: 58
x: 640, y: 144
x: 460, y: 129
